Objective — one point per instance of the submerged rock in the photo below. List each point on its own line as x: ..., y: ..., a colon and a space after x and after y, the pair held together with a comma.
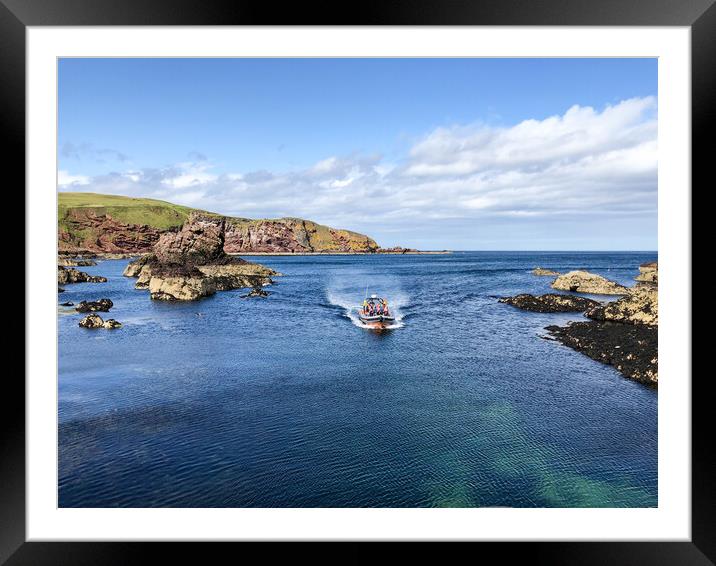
x: 585, y: 282
x: 71, y: 275
x: 60, y: 290
x: 256, y: 292
x: 543, y: 271
x: 631, y: 349
x: 102, y: 305
x: 551, y: 302
x: 640, y: 306
x: 67, y: 304
x: 95, y: 321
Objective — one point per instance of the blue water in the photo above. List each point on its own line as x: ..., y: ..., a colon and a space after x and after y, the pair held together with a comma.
x: 287, y: 402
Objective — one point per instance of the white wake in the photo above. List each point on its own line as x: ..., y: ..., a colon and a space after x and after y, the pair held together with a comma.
x: 348, y: 293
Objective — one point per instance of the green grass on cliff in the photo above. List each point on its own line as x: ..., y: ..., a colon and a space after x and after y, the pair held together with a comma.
x: 155, y: 213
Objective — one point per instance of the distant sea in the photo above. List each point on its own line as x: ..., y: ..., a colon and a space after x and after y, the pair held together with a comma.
x: 288, y: 402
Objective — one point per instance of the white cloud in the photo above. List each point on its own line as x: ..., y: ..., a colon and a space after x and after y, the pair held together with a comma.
x: 585, y: 162
x: 65, y: 179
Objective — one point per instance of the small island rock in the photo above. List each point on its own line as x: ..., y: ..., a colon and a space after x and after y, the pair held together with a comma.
x: 543, y: 271
x: 585, y: 282
x: 95, y: 321
x: 102, y: 305
x: 92, y: 321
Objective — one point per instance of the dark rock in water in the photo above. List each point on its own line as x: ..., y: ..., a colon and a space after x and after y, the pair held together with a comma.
x: 73, y: 275
x: 102, y: 305
x: 95, y: 321
x: 256, y: 292
x: 630, y: 348
x: 550, y: 302
x: 60, y: 290
x: 67, y: 304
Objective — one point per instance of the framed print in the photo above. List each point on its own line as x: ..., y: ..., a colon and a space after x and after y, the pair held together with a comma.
x: 391, y: 279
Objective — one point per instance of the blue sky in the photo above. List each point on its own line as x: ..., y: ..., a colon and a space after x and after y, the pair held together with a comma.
x: 451, y: 153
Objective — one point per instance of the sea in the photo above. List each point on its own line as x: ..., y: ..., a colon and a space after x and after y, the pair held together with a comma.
x: 287, y: 401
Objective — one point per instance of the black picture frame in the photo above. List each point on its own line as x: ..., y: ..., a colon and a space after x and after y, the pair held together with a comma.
x: 17, y: 15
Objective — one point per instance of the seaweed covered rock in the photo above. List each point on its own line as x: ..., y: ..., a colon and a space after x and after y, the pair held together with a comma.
x: 550, y: 302
x: 631, y: 349
x: 585, y: 282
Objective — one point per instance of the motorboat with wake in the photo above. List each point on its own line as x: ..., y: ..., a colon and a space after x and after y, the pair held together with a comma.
x: 375, y: 313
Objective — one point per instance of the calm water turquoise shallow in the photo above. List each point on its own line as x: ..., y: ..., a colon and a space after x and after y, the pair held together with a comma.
x: 286, y: 402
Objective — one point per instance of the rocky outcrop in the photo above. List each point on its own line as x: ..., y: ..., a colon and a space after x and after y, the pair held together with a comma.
x: 648, y: 273
x: 543, y: 271
x: 640, y: 306
x: 585, y: 282
x: 631, y: 349
x: 191, y: 263
x: 101, y: 305
x: 199, y: 242
x: 95, y: 321
x: 71, y: 275
x: 550, y: 303
x: 75, y: 262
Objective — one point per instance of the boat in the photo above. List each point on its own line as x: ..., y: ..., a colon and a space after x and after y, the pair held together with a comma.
x: 375, y: 313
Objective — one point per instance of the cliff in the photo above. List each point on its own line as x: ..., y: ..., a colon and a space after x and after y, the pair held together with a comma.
x: 90, y: 222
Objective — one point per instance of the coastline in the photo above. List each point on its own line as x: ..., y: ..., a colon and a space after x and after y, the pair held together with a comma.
x: 338, y: 253
x: 110, y: 255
